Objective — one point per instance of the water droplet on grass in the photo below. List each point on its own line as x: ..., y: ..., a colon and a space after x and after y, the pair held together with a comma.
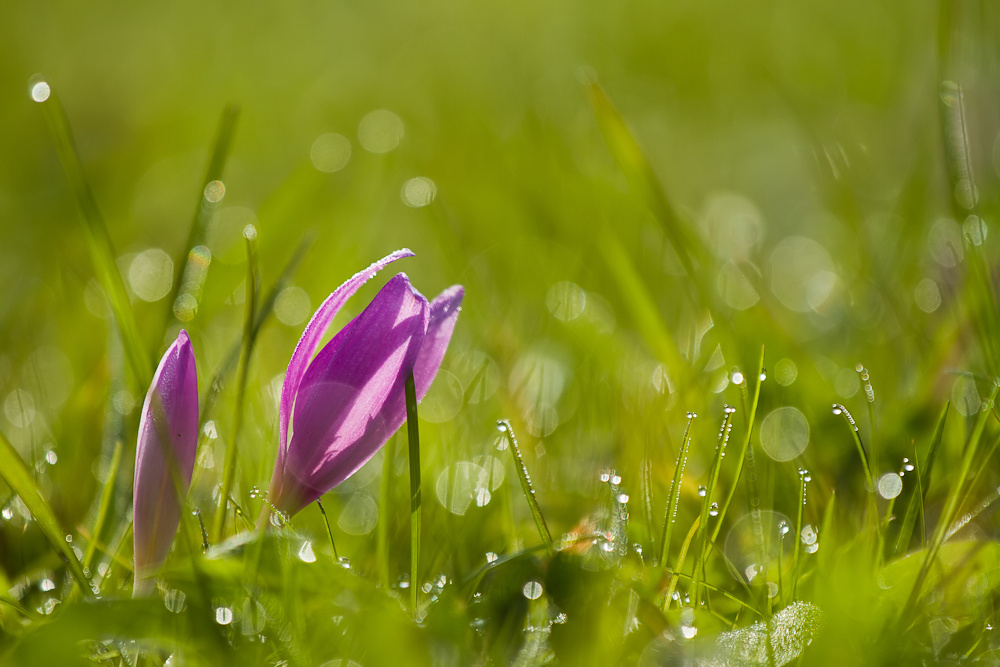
x: 532, y: 590
x: 223, y: 615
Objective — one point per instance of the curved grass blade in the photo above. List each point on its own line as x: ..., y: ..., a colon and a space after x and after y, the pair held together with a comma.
x: 529, y: 493
x: 922, y: 473
x: 674, y: 496
x: 640, y: 303
x: 751, y: 420
x: 413, y: 436
x: 191, y: 278
x: 951, y: 505
x: 633, y: 162
x: 681, y: 557
x: 19, y: 479
x: 706, y: 505
x: 263, y: 312
x: 99, y: 242
x: 105, y: 508
x: 249, y: 334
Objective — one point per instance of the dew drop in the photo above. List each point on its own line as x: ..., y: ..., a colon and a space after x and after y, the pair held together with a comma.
x: 223, y: 615
x: 532, y: 590
x: 306, y: 553
x: 702, y: 491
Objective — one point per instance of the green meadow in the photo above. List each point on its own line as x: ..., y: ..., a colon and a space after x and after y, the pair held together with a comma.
x: 722, y: 389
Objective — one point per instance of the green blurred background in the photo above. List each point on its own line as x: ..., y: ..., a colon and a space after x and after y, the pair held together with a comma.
x: 801, y: 141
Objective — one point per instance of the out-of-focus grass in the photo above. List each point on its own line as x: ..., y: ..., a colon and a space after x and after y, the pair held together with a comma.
x: 785, y: 175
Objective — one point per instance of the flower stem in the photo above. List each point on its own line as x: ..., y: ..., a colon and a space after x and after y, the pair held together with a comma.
x: 413, y: 435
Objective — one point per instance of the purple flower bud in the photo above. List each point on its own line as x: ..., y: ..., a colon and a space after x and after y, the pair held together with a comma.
x: 164, y: 458
x: 342, y: 406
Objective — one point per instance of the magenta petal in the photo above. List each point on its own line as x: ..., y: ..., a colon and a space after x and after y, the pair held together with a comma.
x: 165, y: 454
x: 340, y: 417
x: 444, y: 313
x: 313, y: 334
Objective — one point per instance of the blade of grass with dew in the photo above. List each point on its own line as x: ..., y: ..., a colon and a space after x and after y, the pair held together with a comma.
x: 674, y: 495
x: 797, y: 537
x: 191, y: 277
x: 413, y: 437
x: 706, y: 505
x: 385, y: 498
x: 229, y: 468
x: 19, y: 479
x: 922, y: 473
x: 107, y: 496
x: 263, y: 312
x: 118, y: 561
x: 981, y: 468
x: 871, y: 482
x: 529, y: 492
x: 866, y: 385
x: 681, y: 558
x: 741, y: 459
x: 951, y: 505
x: 99, y: 242
x: 714, y: 589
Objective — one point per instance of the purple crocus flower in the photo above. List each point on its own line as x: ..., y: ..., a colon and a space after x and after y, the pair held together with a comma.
x: 164, y: 458
x: 342, y: 406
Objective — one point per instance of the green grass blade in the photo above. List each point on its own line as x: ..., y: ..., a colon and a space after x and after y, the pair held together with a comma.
x: 681, y: 557
x: 329, y: 529
x: 263, y: 312
x: 385, y: 498
x: 643, y: 309
x: 922, y: 473
x: 107, y: 496
x: 633, y: 162
x: 19, y: 479
x: 706, y: 505
x: 529, y: 492
x: 249, y: 332
x: 190, y: 278
x: 797, y: 537
x: 99, y: 242
x: 674, y: 495
x: 413, y: 437
x: 741, y: 459
x: 952, y: 504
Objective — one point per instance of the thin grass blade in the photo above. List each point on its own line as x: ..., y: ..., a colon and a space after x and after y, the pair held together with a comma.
x: 263, y: 312
x: 185, y: 292
x: 529, y: 492
x: 674, y: 496
x: 741, y: 459
x: 951, y: 505
x: 107, y: 496
x: 19, y: 479
x: 99, y: 242
x: 249, y: 334
x: 413, y: 437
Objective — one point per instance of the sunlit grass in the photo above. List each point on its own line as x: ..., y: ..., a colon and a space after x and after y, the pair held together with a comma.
x: 776, y: 218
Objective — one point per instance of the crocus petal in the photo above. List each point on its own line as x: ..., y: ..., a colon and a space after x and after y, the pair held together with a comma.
x: 165, y: 454
x: 441, y: 324
x: 340, y: 420
x: 313, y: 334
